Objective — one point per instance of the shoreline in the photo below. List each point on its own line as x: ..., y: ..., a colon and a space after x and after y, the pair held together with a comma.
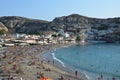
x: 95, y: 76
x: 24, y: 62
x: 85, y: 75
x: 60, y: 65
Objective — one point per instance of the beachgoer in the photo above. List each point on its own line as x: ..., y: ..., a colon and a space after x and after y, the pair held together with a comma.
x: 38, y: 75
x: 62, y: 78
x: 41, y: 62
x: 21, y: 78
x: 11, y: 77
x: 48, y: 61
x: 101, y: 76
x: 113, y: 78
x: 53, y: 62
x: 76, y: 73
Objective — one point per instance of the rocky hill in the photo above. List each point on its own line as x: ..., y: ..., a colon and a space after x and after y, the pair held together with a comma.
x: 73, y: 21
x: 68, y: 23
x: 17, y: 24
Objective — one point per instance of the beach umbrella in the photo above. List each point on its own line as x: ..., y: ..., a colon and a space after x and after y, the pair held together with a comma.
x: 45, y: 79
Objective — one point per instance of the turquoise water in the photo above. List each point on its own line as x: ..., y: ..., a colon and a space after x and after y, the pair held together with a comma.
x: 91, y: 58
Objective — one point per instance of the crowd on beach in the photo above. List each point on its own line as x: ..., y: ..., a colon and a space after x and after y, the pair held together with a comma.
x: 24, y: 63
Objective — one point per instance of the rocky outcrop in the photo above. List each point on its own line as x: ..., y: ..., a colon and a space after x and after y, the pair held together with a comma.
x: 3, y: 27
x: 70, y: 22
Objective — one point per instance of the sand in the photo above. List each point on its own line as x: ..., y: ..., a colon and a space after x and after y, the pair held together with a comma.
x: 24, y: 62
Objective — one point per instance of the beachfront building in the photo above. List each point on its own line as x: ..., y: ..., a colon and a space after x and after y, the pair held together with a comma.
x: 30, y: 41
x: 18, y: 36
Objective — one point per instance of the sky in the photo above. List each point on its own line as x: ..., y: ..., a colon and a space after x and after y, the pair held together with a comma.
x: 49, y: 9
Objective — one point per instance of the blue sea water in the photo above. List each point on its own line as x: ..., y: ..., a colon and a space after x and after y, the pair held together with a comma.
x: 92, y: 59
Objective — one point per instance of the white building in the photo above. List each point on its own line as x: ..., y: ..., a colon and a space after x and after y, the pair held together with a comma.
x: 63, y: 33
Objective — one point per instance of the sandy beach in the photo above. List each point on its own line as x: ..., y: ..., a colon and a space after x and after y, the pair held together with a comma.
x: 24, y: 63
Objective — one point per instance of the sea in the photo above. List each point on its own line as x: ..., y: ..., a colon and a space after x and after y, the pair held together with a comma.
x: 92, y: 60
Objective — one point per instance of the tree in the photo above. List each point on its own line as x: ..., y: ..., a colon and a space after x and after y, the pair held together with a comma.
x: 3, y: 32
x: 59, y: 35
x: 54, y: 35
x: 78, y: 38
x: 39, y: 33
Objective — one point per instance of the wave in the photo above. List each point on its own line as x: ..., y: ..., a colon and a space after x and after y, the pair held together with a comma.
x: 53, y: 54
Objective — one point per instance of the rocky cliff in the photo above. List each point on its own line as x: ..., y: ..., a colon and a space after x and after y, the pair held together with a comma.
x: 68, y: 23
x: 73, y: 21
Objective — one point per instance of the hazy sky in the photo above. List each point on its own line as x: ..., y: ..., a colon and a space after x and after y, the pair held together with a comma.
x: 49, y: 9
